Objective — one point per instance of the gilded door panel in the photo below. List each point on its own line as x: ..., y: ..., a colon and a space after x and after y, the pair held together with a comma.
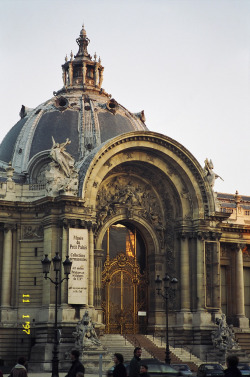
x: 121, y: 283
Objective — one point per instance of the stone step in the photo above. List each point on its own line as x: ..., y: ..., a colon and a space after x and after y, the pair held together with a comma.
x: 117, y: 343
x: 184, y: 355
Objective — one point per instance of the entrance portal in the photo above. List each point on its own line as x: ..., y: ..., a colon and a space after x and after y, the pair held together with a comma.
x: 124, y: 281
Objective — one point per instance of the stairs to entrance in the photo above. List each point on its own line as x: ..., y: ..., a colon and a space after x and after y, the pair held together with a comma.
x: 151, y: 347
x: 117, y: 343
x: 244, y: 341
x: 156, y: 349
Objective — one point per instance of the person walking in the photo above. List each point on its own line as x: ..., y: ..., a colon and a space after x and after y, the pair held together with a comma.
x: 232, y: 370
x: 119, y: 370
x: 76, y: 364
x: 19, y: 369
x: 134, y: 366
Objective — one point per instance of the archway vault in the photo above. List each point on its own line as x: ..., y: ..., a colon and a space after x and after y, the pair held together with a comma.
x: 180, y: 174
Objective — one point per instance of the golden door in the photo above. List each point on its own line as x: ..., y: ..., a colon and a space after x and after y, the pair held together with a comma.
x: 124, y: 291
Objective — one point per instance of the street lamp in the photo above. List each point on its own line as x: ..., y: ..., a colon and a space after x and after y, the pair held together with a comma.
x: 57, y: 268
x: 169, y: 285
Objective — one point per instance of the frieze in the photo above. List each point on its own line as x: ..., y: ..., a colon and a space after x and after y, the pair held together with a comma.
x: 208, y: 235
x: 31, y: 232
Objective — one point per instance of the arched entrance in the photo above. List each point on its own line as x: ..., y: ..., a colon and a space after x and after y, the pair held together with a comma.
x: 124, y: 280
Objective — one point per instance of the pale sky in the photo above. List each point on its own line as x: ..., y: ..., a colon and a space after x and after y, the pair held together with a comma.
x: 184, y: 62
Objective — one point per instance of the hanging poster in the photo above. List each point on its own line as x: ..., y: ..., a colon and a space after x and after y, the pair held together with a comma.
x: 79, y: 256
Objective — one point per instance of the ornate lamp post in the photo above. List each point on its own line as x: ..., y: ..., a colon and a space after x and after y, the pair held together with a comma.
x: 57, y: 268
x: 169, y: 284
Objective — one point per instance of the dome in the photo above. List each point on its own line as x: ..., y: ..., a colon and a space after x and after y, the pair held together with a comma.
x: 81, y: 111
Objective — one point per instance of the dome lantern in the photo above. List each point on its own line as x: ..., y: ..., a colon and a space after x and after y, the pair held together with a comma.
x: 82, y: 72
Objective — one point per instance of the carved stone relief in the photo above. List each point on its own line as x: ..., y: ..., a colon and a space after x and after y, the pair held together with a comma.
x: 135, y: 197
x: 31, y: 232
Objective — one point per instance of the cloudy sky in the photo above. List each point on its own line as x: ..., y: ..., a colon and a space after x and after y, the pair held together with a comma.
x: 184, y: 62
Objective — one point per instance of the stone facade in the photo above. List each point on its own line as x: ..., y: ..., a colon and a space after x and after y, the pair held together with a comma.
x: 122, y: 175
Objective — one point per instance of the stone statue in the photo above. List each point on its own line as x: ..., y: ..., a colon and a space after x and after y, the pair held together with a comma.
x: 61, y: 157
x: 60, y: 176
x: 85, y: 334
x: 209, y: 173
x: 223, y: 337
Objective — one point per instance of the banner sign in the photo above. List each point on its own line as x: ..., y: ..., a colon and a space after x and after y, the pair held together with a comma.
x: 79, y: 256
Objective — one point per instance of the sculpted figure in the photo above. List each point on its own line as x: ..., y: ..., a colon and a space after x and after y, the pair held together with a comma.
x: 211, y: 175
x: 85, y: 334
x: 223, y: 337
x: 63, y: 158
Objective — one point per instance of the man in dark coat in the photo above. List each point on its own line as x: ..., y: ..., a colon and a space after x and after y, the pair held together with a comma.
x: 134, y: 367
x: 232, y: 370
x: 76, y: 364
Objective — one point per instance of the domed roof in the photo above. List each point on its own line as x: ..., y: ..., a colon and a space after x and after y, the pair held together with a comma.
x: 81, y: 111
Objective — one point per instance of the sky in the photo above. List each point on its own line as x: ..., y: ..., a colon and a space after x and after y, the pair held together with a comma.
x: 184, y: 62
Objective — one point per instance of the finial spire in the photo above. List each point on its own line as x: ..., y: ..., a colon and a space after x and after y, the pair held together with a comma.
x: 83, y: 42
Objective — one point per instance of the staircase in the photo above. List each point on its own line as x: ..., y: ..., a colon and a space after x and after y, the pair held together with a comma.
x: 117, y: 343
x: 155, y: 347
x: 151, y: 347
x: 244, y: 341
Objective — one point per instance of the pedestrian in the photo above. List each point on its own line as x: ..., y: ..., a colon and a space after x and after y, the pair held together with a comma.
x: 134, y: 366
x: 144, y: 371
x: 119, y: 370
x: 76, y: 364
x: 19, y: 369
x: 1, y: 373
x: 232, y: 370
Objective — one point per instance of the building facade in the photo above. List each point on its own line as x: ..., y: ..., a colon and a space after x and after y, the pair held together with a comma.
x: 82, y: 176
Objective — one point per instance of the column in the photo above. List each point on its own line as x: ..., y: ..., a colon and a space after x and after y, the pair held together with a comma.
x: 243, y: 322
x: 7, y: 266
x: 200, y: 289
x: 98, y: 277
x: 64, y: 286
x: 239, y: 283
x: 184, y: 275
x: 91, y: 267
x: 70, y: 74
x: 84, y: 73
x: 48, y: 248
x: 216, y: 276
